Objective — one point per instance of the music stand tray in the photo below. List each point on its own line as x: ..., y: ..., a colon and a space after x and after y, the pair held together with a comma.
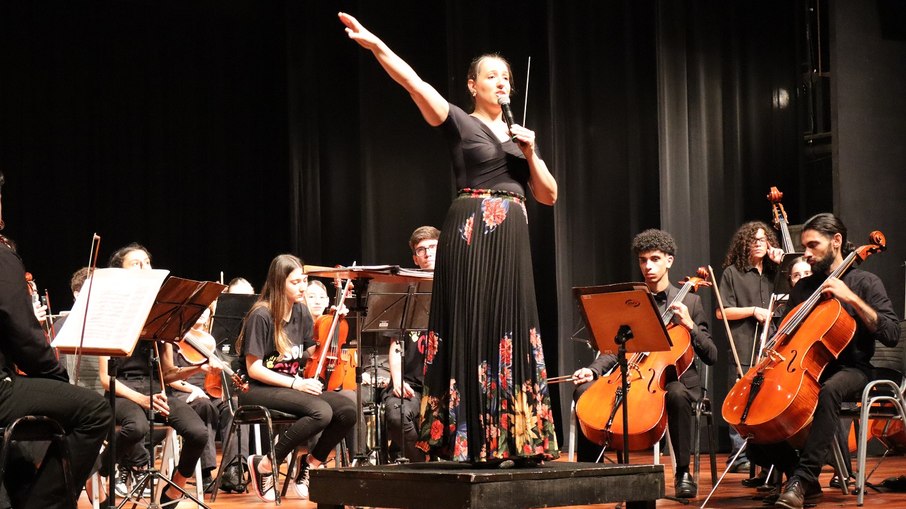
x: 623, y: 318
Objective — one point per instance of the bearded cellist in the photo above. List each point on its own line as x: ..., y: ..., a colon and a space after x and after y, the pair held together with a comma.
x: 863, y: 297
x: 655, y: 251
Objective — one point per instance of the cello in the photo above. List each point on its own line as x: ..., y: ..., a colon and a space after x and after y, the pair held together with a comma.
x: 329, y: 363
x: 776, y: 398
x: 600, y: 408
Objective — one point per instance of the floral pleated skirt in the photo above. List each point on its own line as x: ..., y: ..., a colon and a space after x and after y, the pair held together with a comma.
x: 485, y: 397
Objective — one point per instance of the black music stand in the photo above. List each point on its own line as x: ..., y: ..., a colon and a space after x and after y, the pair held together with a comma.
x: 398, y: 308
x: 623, y: 318
x: 178, y: 305
x: 227, y: 321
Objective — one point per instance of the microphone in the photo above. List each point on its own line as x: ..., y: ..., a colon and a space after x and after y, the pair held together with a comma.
x: 504, y: 102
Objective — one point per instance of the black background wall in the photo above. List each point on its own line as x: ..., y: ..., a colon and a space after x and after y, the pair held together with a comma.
x: 220, y: 133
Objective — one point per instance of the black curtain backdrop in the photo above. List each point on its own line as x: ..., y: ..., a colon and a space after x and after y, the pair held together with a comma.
x: 220, y: 133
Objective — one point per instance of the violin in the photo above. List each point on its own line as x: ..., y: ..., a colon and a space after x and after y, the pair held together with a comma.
x: 197, y: 347
x: 776, y: 398
x: 600, y: 408
x: 332, y: 365
x: 37, y: 301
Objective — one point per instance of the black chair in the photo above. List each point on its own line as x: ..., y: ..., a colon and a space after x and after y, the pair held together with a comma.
x: 255, y: 414
x: 37, y: 428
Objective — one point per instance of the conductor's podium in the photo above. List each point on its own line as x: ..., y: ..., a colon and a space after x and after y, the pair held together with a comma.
x: 451, y: 485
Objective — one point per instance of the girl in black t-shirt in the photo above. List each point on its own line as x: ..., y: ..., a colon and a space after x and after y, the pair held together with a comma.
x: 274, y: 341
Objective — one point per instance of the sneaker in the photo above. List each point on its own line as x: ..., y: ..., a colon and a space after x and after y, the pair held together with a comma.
x: 123, y: 482
x: 262, y: 481
x: 302, y: 479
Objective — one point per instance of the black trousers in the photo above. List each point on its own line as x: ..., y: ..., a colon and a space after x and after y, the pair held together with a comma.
x: 214, y: 414
x: 331, y: 414
x: 134, y: 425
x: 83, y: 414
x: 845, y: 384
x: 403, y: 425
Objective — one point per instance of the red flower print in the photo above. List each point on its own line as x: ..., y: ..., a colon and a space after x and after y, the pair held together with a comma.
x: 437, y: 429
x: 466, y: 230
x: 431, y: 347
x: 493, y: 212
x: 506, y: 351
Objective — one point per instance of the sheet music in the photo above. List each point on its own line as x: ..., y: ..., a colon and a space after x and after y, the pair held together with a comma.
x: 120, y: 302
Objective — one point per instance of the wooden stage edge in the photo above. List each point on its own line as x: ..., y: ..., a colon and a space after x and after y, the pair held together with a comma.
x: 451, y: 485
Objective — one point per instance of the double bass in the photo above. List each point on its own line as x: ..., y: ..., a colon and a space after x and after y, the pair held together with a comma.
x: 780, y: 219
x: 600, y: 408
x: 774, y: 401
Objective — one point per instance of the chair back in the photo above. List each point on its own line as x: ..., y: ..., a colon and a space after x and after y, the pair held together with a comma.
x: 889, y: 362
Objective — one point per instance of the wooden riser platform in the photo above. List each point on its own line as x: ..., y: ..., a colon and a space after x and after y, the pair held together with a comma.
x: 452, y: 486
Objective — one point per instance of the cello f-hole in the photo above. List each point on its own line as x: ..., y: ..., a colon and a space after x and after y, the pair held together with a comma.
x: 790, y: 368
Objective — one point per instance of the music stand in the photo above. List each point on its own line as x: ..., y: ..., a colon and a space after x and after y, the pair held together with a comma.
x: 178, y: 305
x: 227, y: 321
x: 782, y: 278
x: 623, y: 317
x: 398, y: 308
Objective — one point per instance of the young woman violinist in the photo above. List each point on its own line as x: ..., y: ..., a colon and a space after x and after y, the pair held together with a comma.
x: 274, y: 340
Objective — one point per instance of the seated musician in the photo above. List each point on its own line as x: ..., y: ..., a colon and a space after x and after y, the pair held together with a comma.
x: 402, y: 398
x: 863, y: 296
x: 215, y: 412
x: 134, y: 380
x: 655, y: 250
x: 799, y: 269
x: 316, y: 298
x: 43, y: 390
x: 274, y: 341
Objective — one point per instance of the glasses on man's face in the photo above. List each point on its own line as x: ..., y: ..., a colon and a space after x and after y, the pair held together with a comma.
x: 422, y: 251
x: 757, y: 241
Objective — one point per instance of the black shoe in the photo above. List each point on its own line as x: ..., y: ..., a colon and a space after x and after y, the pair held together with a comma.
x: 758, y: 480
x: 684, y: 486
x: 168, y: 503
x: 798, y: 494
x: 770, y: 497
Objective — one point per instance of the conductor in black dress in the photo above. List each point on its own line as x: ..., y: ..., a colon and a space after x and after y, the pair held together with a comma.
x: 655, y: 251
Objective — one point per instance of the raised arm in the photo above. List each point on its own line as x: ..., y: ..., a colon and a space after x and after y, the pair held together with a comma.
x: 433, y: 106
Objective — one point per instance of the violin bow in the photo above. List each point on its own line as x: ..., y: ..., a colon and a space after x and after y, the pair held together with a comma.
x: 723, y: 315
x: 92, y: 265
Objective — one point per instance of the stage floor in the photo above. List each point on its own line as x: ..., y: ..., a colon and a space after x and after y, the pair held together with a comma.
x: 731, y: 493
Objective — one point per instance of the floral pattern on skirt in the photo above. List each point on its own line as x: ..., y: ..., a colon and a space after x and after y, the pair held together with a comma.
x: 485, y: 396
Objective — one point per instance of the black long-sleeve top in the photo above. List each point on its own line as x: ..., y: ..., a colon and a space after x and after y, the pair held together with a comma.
x: 861, y: 348
x: 22, y: 341
x: 702, y: 343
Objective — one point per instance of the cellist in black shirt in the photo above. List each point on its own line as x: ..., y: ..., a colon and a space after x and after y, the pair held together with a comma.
x: 45, y: 390
x: 655, y: 250
x: 863, y: 296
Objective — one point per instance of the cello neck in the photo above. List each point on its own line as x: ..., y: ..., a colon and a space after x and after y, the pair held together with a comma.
x: 785, y: 237
x: 667, y: 315
x: 878, y: 244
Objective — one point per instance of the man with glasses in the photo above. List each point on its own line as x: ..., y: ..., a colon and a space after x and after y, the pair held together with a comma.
x: 406, y: 374
x: 746, y: 286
